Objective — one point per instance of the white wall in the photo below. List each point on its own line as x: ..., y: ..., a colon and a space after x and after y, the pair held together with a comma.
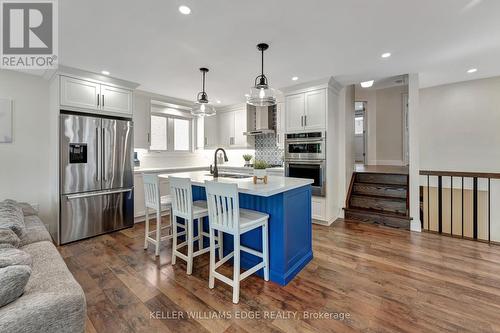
x: 459, y: 126
x: 370, y: 97
x: 24, y: 164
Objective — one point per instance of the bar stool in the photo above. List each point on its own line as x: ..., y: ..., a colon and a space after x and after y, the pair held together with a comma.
x: 226, y: 215
x: 153, y: 200
x: 184, y: 207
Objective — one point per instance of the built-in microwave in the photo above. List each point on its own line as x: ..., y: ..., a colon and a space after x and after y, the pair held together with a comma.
x: 309, y: 146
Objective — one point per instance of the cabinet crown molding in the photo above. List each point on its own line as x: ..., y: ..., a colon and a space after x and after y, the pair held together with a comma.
x: 326, y: 83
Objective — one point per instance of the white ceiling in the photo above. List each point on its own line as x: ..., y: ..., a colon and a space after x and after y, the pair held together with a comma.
x: 151, y: 43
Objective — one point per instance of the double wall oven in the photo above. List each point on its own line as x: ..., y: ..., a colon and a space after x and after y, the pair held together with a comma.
x: 305, y: 157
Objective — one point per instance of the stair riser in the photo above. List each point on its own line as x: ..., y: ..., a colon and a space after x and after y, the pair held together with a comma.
x: 380, y: 204
x: 380, y: 190
x: 381, y: 178
x: 373, y: 218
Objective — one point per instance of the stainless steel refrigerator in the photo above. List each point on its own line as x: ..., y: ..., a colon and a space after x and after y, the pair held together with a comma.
x: 96, y: 176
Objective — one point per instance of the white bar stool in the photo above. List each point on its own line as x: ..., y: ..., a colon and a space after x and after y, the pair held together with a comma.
x: 226, y: 215
x: 153, y: 200
x: 184, y: 207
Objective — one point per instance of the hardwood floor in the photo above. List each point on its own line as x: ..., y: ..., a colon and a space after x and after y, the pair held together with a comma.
x: 385, y: 280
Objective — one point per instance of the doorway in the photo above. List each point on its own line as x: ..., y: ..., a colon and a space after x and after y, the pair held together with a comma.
x: 360, y: 137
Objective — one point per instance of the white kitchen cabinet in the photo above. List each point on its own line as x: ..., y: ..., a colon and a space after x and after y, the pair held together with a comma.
x: 114, y: 99
x: 315, y: 110
x: 280, y: 125
x: 95, y: 96
x: 306, y: 111
x: 240, y: 127
x: 231, y: 128
x: 142, y: 121
x: 80, y: 93
x: 210, y: 132
x: 226, y: 128
x: 318, y: 208
x: 295, y: 110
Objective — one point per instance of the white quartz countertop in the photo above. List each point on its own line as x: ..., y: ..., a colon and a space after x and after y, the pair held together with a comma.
x: 275, y: 184
x: 169, y: 169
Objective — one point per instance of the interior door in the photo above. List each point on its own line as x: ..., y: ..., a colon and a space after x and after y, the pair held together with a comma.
x: 79, y: 153
x: 315, y: 109
x: 115, y: 99
x: 117, y: 157
x: 294, y: 112
x: 79, y: 93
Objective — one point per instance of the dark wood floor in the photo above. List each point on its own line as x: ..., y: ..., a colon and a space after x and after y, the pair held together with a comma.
x: 387, y: 280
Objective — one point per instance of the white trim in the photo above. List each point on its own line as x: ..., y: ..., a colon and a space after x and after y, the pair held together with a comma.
x: 387, y: 162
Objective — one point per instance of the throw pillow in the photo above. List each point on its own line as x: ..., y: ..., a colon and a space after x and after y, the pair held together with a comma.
x: 13, y: 279
x: 8, y: 238
x: 12, y: 257
x: 12, y: 217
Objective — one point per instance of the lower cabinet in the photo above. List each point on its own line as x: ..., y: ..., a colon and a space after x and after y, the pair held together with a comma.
x: 318, y: 208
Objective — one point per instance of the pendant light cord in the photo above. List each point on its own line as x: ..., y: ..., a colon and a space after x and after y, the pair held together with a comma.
x: 203, y: 81
x: 262, y: 61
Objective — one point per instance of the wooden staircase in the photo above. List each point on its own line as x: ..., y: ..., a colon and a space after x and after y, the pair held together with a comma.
x: 379, y: 198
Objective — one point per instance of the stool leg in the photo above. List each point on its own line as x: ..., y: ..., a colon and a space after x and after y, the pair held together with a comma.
x: 236, y: 270
x: 158, y: 231
x: 220, y: 239
x: 146, y: 229
x: 171, y: 223
x: 265, y: 251
x: 200, y: 229
x: 211, y: 279
x: 190, y: 244
x: 174, y: 238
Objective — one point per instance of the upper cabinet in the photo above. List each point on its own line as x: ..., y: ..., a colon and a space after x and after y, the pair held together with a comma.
x: 142, y: 121
x: 280, y: 125
x: 95, y: 96
x: 210, y: 132
x: 306, y: 111
x: 227, y: 129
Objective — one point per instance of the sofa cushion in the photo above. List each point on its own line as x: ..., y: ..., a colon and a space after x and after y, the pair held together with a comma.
x: 13, y: 280
x: 27, y: 209
x: 13, y: 257
x: 52, y: 302
x: 11, y: 217
x: 8, y: 238
x: 35, y: 231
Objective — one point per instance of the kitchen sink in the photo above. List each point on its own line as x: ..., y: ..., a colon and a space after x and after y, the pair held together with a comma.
x: 232, y: 175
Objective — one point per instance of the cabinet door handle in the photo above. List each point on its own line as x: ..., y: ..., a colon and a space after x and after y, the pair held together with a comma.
x: 206, y: 141
x: 305, y: 118
x: 102, y: 100
x: 302, y: 121
x: 98, y: 97
x: 149, y: 138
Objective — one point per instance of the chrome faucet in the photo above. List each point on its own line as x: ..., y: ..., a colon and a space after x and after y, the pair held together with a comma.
x: 215, y: 171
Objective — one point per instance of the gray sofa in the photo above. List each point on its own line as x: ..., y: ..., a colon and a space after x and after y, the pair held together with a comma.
x: 52, y: 301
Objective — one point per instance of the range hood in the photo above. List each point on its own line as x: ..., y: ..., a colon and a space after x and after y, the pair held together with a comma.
x: 263, y: 120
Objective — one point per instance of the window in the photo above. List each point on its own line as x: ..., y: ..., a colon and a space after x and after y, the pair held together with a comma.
x: 358, y: 125
x: 171, y: 131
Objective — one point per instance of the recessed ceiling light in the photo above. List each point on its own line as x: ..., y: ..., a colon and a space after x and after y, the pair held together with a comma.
x: 247, y: 95
x: 367, y: 84
x: 386, y: 55
x: 184, y: 10
x: 295, y: 78
x: 472, y: 70
x: 105, y: 72
x: 218, y: 102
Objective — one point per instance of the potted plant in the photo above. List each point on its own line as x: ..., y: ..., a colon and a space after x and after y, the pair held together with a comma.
x: 259, y: 170
x: 247, y: 158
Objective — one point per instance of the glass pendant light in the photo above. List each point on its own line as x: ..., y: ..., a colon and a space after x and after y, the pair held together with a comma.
x: 261, y: 94
x: 202, y: 108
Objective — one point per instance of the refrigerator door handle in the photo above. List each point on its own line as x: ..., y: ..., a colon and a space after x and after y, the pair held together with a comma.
x: 97, y: 151
x: 103, y: 154
x: 95, y: 194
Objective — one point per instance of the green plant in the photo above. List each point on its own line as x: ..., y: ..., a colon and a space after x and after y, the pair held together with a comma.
x: 247, y: 157
x: 259, y: 164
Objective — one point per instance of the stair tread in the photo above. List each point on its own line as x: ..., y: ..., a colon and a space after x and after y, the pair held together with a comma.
x: 405, y: 186
x: 378, y: 212
x: 390, y: 198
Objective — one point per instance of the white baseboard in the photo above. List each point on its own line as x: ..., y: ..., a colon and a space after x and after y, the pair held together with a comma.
x: 388, y: 162
x: 415, y: 226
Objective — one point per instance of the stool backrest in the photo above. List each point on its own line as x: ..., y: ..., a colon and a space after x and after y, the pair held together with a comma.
x: 151, y: 191
x: 223, y: 206
x: 182, y: 196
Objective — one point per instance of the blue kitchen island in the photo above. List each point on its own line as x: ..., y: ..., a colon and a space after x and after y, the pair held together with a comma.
x: 288, y: 203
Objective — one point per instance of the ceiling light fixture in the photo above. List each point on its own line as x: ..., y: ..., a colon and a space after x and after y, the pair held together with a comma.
x: 295, y: 78
x: 367, y: 84
x: 201, y: 107
x: 386, y: 55
x: 261, y: 94
x: 184, y: 10
x: 218, y: 102
x: 472, y: 70
x: 105, y: 72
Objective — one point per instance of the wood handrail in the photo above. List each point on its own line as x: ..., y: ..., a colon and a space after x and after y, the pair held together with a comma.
x: 491, y: 175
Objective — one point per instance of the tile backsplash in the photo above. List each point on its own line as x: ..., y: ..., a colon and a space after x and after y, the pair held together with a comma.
x: 266, y: 149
